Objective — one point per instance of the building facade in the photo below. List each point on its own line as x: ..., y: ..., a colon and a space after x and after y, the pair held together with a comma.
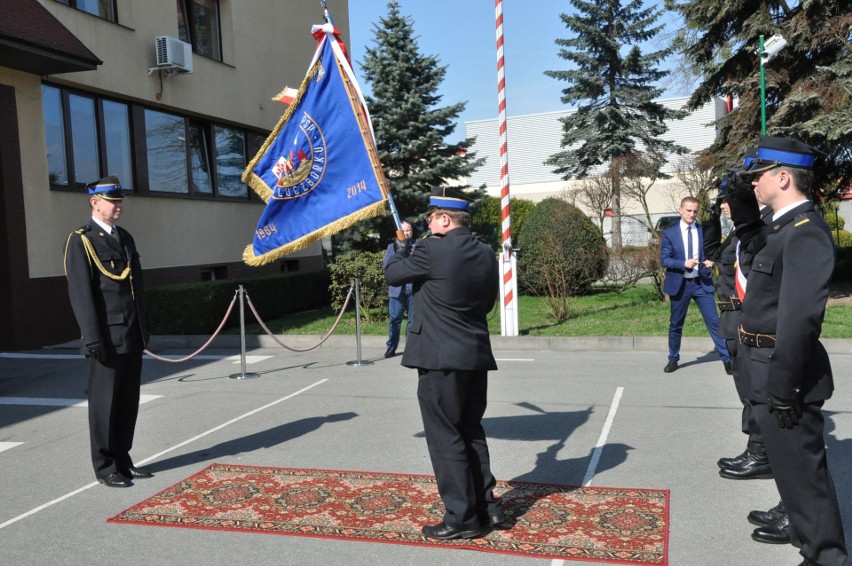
x: 86, y: 90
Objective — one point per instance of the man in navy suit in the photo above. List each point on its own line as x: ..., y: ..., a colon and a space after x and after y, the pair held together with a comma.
x: 688, y: 278
x: 400, y: 297
x: 456, y: 284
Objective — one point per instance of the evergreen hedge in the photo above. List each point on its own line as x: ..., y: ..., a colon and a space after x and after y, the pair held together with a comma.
x: 198, y: 308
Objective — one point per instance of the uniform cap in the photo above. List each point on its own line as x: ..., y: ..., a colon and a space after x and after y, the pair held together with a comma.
x: 108, y: 188
x: 775, y: 151
x: 446, y: 197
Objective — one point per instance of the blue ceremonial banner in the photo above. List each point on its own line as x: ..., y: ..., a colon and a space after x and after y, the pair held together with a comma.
x: 318, y: 170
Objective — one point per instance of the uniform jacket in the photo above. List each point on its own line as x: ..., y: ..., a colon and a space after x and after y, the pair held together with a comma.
x: 455, y: 286
x: 672, y: 256
x: 786, y: 296
x: 108, y: 312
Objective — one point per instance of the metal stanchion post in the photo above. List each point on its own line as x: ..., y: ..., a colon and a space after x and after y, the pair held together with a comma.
x: 243, y: 374
x: 359, y: 361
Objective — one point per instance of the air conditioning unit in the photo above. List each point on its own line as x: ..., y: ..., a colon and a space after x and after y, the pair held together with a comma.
x: 173, y: 53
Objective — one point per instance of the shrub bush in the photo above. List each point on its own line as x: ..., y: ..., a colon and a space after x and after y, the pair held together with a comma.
x: 558, y: 244
x: 198, y: 308
x: 366, y: 267
x: 486, y: 219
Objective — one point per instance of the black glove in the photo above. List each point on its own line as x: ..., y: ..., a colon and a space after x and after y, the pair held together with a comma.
x: 787, y: 411
x: 96, y: 351
x: 715, y: 209
x: 402, y: 247
x: 741, y: 200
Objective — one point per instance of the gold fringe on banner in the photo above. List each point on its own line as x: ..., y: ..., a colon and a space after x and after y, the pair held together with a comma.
x: 375, y: 209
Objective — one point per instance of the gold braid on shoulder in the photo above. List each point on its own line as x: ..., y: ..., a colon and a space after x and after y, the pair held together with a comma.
x: 93, y: 258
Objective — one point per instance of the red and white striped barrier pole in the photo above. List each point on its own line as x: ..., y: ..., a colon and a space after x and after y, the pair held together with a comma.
x: 508, y: 258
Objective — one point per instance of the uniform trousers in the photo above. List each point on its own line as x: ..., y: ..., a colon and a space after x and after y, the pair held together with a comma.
x: 452, y: 403
x: 804, y: 482
x: 741, y: 382
x: 113, y: 408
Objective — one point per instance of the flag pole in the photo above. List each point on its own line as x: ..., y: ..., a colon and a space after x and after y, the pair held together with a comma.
x: 508, y: 256
x: 400, y: 235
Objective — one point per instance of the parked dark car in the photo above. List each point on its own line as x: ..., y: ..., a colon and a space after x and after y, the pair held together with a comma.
x: 663, y: 223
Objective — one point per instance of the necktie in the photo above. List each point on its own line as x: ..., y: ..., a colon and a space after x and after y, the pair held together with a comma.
x: 689, y: 245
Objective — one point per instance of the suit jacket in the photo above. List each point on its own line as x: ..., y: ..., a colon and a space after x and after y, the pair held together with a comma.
x: 672, y: 256
x: 394, y: 291
x: 786, y: 296
x: 455, y: 286
x: 108, y: 311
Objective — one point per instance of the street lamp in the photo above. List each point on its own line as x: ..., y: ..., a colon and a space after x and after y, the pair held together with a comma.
x: 768, y: 51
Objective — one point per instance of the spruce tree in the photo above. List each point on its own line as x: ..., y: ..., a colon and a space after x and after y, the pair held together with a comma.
x: 808, y: 83
x: 409, y: 124
x: 614, y: 86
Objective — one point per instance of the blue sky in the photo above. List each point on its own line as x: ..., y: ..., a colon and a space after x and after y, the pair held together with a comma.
x: 462, y: 35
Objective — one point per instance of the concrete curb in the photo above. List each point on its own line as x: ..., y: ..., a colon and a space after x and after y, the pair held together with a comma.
x: 373, y: 342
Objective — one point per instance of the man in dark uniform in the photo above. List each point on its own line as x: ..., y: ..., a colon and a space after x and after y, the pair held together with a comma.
x: 753, y: 462
x: 780, y: 353
x: 456, y: 284
x: 107, y: 296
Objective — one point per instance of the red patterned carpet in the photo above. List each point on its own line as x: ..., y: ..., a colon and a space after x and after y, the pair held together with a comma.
x: 626, y: 526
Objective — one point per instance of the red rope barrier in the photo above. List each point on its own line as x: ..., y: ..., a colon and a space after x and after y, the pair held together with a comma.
x: 202, y: 348
x: 323, y: 339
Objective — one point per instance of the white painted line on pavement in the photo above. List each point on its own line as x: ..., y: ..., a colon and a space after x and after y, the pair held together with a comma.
x: 596, y: 455
x: 59, y: 402
x: 234, y: 359
x: 155, y: 456
x: 7, y: 445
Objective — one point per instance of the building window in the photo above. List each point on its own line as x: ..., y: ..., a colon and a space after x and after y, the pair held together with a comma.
x: 150, y: 151
x: 230, y: 161
x: 102, y: 8
x: 119, y: 157
x: 54, y: 131
x: 84, y: 138
x: 198, y: 24
x: 200, y: 152
x: 165, y: 140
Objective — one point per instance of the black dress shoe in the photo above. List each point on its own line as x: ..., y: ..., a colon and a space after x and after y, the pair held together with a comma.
x: 728, y: 369
x: 443, y: 531
x: 497, y: 520
x: 135, y: 473
x: 772, y: 534
x: 754, y: 467
x: 772, y: 517
x: 671, y: 366
x: 115, y: 480
x: 735, y: 461
x: 390, y: 353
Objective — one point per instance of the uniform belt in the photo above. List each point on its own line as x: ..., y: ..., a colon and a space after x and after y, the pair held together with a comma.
x: 732, y: 304
x: 756, y: 339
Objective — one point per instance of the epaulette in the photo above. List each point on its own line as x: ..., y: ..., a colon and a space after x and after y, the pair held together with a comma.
x: 83, y: 229
x: 804, y: 220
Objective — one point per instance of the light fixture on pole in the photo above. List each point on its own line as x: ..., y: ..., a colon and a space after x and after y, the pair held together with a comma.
x: 767, y: 52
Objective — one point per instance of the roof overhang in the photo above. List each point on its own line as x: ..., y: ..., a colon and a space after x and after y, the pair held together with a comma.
x: 32, y: 40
